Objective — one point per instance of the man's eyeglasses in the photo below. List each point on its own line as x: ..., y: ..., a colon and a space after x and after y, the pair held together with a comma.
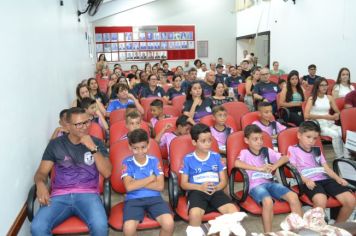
x: 323, y: 85
x: 265, y: 74
x: 81, y: 124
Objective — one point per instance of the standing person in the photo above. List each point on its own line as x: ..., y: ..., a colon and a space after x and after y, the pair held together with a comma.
x: 249, y: 86
x: 292, y: 97
x: 246, y: 71
x: 275, y: 70
x: 343, y: 85
x: 311, y: 77
x: 76, y: 154
x: 101, y: 64
x: 318, y: 107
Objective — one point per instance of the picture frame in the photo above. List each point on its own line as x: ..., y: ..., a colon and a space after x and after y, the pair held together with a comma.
x: 98, y: 38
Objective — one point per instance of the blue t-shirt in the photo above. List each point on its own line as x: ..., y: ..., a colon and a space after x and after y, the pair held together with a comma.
x: 233, y: 82
x: 172, y: 93
x: 130, y: 167
x: 116, y: 104
x: 200, y: 111
x: 267, y: 90
x: 147, y: 92
x: 207, y: 88
x: 202, y: 171
x: 221, y: 78
x: 309, y: 79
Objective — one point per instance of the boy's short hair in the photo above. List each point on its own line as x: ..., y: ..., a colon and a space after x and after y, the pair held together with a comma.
x: 251, y: 129
x: 137, y: 136
x: 62, y: 113
x: 216, y: 109
x: 309, y: 126
x: 131, y: 105
x: 86, y: 102
x: 132, y: 115
x: 197, y: 130
x: 263, y: 104
x: 183, y: 121
x: 192, y: 70
x: 157, y: 103
x: 74, y: 111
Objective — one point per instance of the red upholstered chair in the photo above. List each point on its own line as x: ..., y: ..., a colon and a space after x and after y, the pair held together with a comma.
x: 180, y: 147
x: 118, y: 152
x: 72, y: 225
x: 103, y: 85
x: 274, y: 78
x: 178, y: 102
x: 241, y: 90
x: 236, y: 110
x: 347, y: 122
x: 146, y: 102
x: 118, y: 130
x: 284, y: 77
x: 340, y: 103
x: 117, y: 115
x: 96, y: 131
x: 209, y: 121
x: 331, y: 83
x: 249, y: 118
x: 288, y: 138
x: 283, y: 113
x: 166, y: 87
x: 235, y: 143
x: 167, y: 110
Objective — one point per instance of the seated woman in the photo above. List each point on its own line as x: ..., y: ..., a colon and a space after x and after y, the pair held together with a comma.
x: 292, y: 97
x: 152, y: 90
x: 318, y: 107
x: 343, y: 85
x: 101, y: 64
x: 220, y: 94
x: 82, y: 91
x: 250, y: 83
x: 196, y: 106
x: 176, y: 90
x: 95, y: 91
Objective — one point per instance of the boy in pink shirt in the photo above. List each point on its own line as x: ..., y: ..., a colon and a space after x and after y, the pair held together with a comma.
x: 259, y: 163
x: 319, y: 180
x: 157, y: 112
x: 267, y: 123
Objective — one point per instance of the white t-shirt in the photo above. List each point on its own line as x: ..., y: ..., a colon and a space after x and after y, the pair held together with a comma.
x: 343, y: 90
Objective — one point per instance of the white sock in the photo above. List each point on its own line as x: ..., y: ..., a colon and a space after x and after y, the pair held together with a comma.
x: 194, y: 231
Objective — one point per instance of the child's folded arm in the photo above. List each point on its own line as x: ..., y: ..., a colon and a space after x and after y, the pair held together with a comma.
x: 157, y: 185
x: 132, y: 184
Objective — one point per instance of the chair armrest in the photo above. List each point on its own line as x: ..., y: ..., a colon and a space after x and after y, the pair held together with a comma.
x: 31, y: 197
x: 284, y: 112
x: 173, y: 189
x: 337, y: 170
x: 296, y: 175
x: 246, y: 184
x: 107, y: 196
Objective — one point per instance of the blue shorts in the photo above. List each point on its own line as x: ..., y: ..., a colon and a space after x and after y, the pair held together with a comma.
x: 135, y: 209
x: 274, y: 190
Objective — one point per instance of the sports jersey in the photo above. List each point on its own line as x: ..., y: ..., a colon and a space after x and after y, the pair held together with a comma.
x: 310, y: 80
x: 269, y: 128
x: 201, y: 171
x: 117, y: 104
x: 267, y: 90
x: 74, y: 166
x: 147, y: 92
x: 154, y: 120
x: 207, y: 88
x: 257, y: 177
x: 233, y: 82
x: 130, y: 167
x: 200, y: 111
x: 308, y: 164
x: 172, y: 93
x: 221, y: 136
x: 166, y: 140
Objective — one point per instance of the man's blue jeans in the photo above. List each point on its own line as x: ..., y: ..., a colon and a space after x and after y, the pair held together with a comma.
x: 87, y: 206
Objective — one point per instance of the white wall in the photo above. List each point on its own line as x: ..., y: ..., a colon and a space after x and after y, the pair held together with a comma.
x: 214, y: 21
x: 319, y: 31
x: 44, y: 54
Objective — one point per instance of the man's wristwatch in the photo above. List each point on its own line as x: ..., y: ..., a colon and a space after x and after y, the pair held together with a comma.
x: 95, y: 150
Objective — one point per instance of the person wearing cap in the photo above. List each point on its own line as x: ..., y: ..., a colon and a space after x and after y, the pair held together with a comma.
x: 311, y: 77
x: 220, y: 76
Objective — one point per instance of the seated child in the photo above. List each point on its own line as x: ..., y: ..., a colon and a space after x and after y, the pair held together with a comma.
x: 90, y: 107
x: 157, y: 112
x: 318, y: 178
x: 260, y: 162
x: 143, y: 179
x: 124, y: 98
x: 220, y: 131
x: 204, y: 187
x: 266, y: 122
x: 62, y: 129
x: 183, y: 126
x: 132, y: 122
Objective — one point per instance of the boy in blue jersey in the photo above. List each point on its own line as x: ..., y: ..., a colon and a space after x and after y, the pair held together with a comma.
x: 204, y: 177
x: 143, y: 179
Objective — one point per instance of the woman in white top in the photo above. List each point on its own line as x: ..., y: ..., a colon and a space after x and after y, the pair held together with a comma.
x: 343, y: 85
x: 318, y: 107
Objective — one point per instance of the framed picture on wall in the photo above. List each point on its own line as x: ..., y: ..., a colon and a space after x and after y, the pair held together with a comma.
x: 122, y: 56
x: 164, y: 36
x: 122, y: 46
x: 170, y: 45
x: 143, y: 55
x: 107, y: 37
x: 107, y: 47
x: 142, y: 36
x: 129, y: 56
x: 114, y: 47
x: 136, y: 55
x: 191, y: 44
x: 157, y: 36
x: 164, y: 45
x: 135, y: 45
x: 184, y: 44
x: 157, y: 55
x: 143, y: 45
x: 108, y: 56
x: 189, y: 35
x: 177, y: 36
x: 99, y: 47
x: 163, y: 54
x: 149, y: 36
x: 98, y: 37
x: 114, y: 37
x: 115, y: 56
x: 170, y: 35
x: 128, y: 36
x: 202, y: 48
x: 121, y: 37
x: 135, y: 36
x: 128, y: 46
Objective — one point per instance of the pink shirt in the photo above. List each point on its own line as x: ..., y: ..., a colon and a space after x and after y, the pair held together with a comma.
x: 166, y: 139
x: 256, y: 177
x: 268, y: 129
x: 221, y: 136
x: 307, y: 165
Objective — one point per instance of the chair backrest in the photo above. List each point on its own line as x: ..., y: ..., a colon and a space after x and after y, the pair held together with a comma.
x: 178, y: 102
x: 179, y: 148
x: 274, y: 78
x: 146, y: 102
x: 347, y: 123
x: 103, y: 85
x: 117, y: 115
x: 160, y: 126
x: 235, y: 143
x: 284, y: 77
x: 167, y: 110
x: 96, y: 131
x: 209, y: 121
x: 118, y: 130
x: 288, y: 137
x: 241, y: 90
x: 331, y: 84
x: 166, y: 87
x: 236, y: 110
x: 340, y: 103
x: 118, y: 152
